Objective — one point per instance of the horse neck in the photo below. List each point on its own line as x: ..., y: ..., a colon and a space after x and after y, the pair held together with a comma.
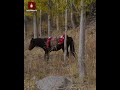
x: 40, y: 42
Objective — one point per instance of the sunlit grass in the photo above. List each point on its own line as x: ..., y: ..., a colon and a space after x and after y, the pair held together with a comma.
x: 35, y: 67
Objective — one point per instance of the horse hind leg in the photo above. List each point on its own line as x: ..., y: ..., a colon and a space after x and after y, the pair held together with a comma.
x: 67, y: 53
x: 73, y: 53
x: 46, y: 56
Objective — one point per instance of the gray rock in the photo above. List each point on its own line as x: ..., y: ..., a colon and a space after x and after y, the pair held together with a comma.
x: 54, y: 83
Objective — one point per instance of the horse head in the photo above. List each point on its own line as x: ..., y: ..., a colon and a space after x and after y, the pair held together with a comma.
x: 32, y: 44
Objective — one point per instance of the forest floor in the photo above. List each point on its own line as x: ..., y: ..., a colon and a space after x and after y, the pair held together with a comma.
x: 36, y: 68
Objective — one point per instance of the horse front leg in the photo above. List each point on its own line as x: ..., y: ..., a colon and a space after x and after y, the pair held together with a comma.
x: 46, y: 55
x: 67, y: 53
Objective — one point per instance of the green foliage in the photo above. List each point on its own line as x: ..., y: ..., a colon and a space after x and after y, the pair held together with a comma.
x: 87, y: 3
x: 58, y: 6
x: 40, y: 5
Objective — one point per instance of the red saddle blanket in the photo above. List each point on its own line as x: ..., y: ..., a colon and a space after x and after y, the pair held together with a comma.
x: 52, y: 39
x: 61, y: 40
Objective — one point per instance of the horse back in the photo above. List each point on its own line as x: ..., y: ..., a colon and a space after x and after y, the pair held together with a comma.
x: 54, y: 41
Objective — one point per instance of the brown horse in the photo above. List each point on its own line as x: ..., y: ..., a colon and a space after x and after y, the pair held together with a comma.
x: 41, y: 42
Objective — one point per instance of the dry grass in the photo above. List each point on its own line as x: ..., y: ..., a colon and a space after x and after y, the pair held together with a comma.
x: 36, y: 68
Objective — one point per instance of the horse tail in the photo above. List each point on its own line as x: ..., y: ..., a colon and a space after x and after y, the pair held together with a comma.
x: 72, y: 48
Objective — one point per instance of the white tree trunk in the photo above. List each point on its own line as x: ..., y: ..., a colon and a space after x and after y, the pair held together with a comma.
x: 40, y: 23
x: 24, y: 28
x: 49, y: 4
x: 57, y: 20
x: 35, y: 25
x: 65, y: 49
x: 48, y: 25
x: 81, y: 54
x: 72, y: 22
x: 57, y: 23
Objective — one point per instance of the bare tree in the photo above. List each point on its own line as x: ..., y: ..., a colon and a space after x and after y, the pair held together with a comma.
x: 49, y: 18
x: 65, y: 49
x: 35, y: 24
x: 57, y: 18
x: 72, y: 22
x: 40, y: 23
x: 81, y: 54
x: 24, y: 28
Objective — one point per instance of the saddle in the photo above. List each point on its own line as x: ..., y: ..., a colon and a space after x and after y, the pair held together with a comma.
x: 54, y: 41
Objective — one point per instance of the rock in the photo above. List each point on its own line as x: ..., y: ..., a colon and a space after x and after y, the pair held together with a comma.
x: 54, y: 83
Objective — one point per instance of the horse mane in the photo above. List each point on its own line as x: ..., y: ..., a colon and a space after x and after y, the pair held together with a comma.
x: 39, y: 41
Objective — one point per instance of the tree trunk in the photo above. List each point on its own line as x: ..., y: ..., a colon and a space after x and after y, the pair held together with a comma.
x: 72, y: 22
x: 49, y: 18
x: 57, y: 20
x: 65, y: 49
x: 75, y: 15
x: 35, y: 24
x: 40, y: 23
x: 62, y: 21
x: 48, y: 25
x: 24, y: 28
x: 81, y: 55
